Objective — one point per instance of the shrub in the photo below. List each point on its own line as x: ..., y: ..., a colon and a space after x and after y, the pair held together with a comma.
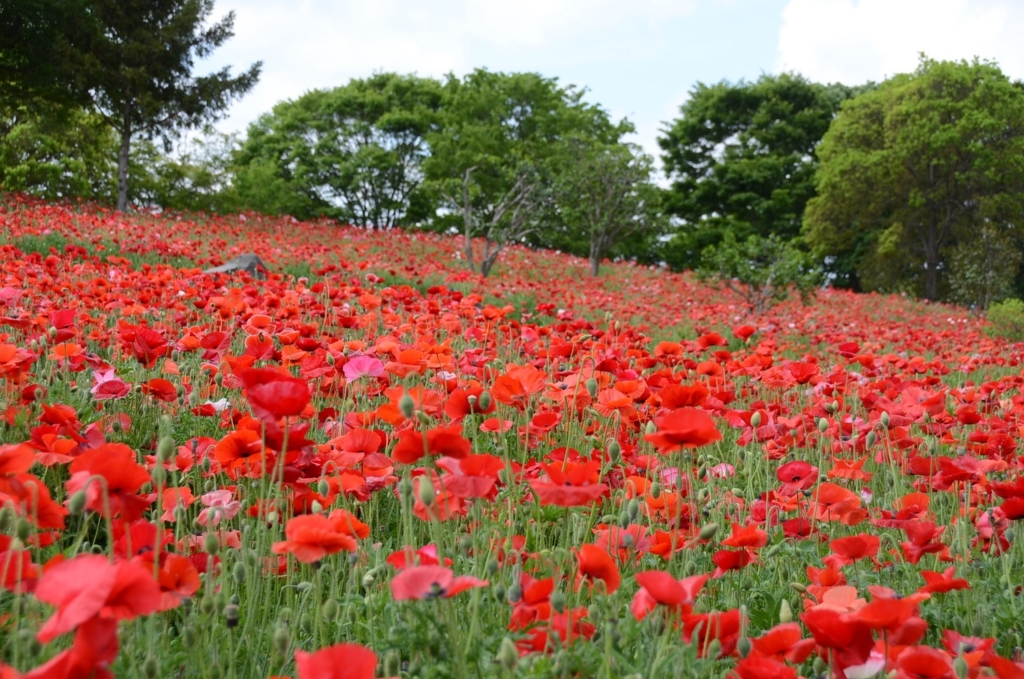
x: 1007, y: 319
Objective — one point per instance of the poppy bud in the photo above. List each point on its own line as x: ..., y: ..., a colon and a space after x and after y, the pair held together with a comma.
x: 150, y: 668
x: 689, y: 568
x: 239, y: 572
x: 785, y: 612
x: 884, y: 419
x: 820, y: 666
x: 633, y: 508
x: 743, y: 646
x: 755, y: 419
x: 466, y: 544
x: 614, y: 451
x: 714, y: 649
x: 392, y: 663
x: 708, y: 531
x: 508, y: 655
x: 484, y: 400
x: 822, y: 425
x: 515, y: 593
x: 702, y: 473
x: 206, y: 605
x: 624, y: 519
x: 159, y: 475
x: 316, y: 507
x: 211, y: 544
x: 323, y: 487
x: 498, y: 593
x: 427, y: 492
x: 282, y: 640
x: 76, y: 505
x: 650, y: 428
x: 165, y: 448
x: 655, y: 490
x: 799, y: 587
x: 407, y: 406
x: 592, y: 387
x: 231, y: 615
x: 492, y: 566
x: 558, y: 602
x: 960, y: 667
x: 871, y: 438
x: 22, y: 529
x: 306, y: 622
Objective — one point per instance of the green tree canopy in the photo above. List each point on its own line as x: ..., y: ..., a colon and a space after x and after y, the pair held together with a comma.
x: 741, y: 160
x: 489, y: 156
x: 921, y: 178
x: 603, y: 198
x: 354, y: 152
x: 136, y: 61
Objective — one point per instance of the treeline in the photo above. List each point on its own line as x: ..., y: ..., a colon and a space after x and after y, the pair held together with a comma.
x: 914, y: 185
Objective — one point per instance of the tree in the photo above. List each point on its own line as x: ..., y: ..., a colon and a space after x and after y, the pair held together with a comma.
x: 136, y: 63
x: 741, y: 159
x: 925, y: 167
x: 603, y: 195
x: 489, y: 155
x: 35, y: 37
x: 63, y: 153
x: 354, y: 152
x: 761, y: 270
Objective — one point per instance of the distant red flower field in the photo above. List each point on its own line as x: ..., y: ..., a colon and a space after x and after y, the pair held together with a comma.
x: 373, y: 463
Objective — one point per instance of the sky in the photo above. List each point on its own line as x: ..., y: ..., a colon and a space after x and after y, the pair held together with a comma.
x: 636, y: 58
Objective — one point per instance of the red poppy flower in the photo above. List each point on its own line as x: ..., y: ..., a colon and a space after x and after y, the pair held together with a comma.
x: 796, y: 476
x: 430, y: 582
x: 273, y: 394
x: 784, y: 642
x: 761, y: 667
x: 848, y: 550
x: 341, y: 661
x: 703, y: 628
x: 683, y: 428
x: 942, y: 582
x: 447, y: 441
x: 660, y: 588
x: 746, y: 536
x: 594, y: 563
x: 849, y: 640
x: 122, y: 479
x: 311, y: 537
x: 726, y: 560
x: 515, y: 387
x: 923, y: 662
x: 570, y: 484
x: 89, y: 586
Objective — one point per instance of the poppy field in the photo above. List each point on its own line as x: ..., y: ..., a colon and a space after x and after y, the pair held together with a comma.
x: 376, y: 464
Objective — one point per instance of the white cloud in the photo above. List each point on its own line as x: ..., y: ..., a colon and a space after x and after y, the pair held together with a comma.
x: 321, y: 44
x: 853, y: 41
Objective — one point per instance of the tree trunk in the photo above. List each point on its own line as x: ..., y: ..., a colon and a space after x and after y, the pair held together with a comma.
x: 595, y: 265
x: 122, y: 159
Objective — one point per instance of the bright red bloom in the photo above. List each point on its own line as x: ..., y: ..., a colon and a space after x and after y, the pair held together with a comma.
x: 311, y: 537
x: 660, y: 588
x: 117, y: 493
x: 89, y: 586
x: 439, y: 441
x: 273, y: 394
x: 849, y: 640
x: 430, y: 582
x: 784, y: 642
x: 706, y: 627
x: 594, y: 563
x: 762, y: 667
x: 746, y: 536
x: 683, y: 428
x: 846, y: 551
x: 942, y: 582
x: 923, y: 662
x: 570, y: 484
x: 341, y: 661
x: 726, y: 560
